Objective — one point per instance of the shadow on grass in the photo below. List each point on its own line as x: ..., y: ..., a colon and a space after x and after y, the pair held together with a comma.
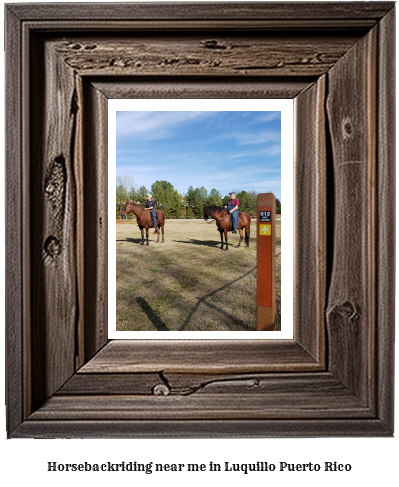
x: 208, y: 243
x: 136, y: 240
x: 152, y: 316
x: 237, y: 322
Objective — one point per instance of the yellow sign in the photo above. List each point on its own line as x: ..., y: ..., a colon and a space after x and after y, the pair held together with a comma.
x: 265, y: 230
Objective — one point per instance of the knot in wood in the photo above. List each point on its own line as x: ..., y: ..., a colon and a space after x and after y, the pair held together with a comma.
x: 213, y: 44
x: 349, y: 310
x: 346, y: 310
x: 52, y: 246
x: 54, y: 185
x: 161, y: 390
x: 90, y: 47
x: 50, y: 188
x: 347, y: 128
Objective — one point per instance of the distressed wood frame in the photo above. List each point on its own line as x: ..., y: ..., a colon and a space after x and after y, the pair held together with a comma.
x: 335, y: 378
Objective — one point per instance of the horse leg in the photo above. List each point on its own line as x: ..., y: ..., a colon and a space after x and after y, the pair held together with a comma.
x: 158, y: 231
x: 247, y: 231
x: 142, y: 236
x: 162, y: 226
x: 147, y: 232
x: 225, y: 237
x: 241, y: 237
x: 221, y: 238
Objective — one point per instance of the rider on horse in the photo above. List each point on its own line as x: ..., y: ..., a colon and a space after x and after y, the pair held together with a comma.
x: 232, y: 208
x: 150, y: 206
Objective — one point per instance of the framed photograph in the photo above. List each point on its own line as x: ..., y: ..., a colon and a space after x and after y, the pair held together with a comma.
x: 334, y: 377
x: 190, y: 153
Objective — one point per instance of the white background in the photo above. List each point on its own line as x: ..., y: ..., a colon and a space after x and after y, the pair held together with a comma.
x: 374, y: 461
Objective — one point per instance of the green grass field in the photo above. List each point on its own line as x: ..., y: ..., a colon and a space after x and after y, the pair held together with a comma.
x: 188, y: 283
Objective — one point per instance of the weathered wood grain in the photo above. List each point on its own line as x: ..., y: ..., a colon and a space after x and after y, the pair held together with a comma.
x: 340, y: 26
x: 191, y: 428
x: 112, y: 384
x: 53, y: 220
x: 17, y: 230
x: 184, y: 384
x: 332, y: 402
x: 385, y: 222
x: 95, y: 211
x: 310, y: 217
x: 277, y: 396
x: 351, y: 306
x: 244, y: 54
x: 200, y: 356
x: 359, y: 13
x: 198, y: 87
x: 269, y: 383
x: 78, y: 176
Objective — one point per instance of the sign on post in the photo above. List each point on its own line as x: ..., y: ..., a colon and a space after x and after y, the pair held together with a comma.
x: 266, y: 244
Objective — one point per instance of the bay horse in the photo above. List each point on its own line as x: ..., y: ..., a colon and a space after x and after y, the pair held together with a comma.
x: 144, y: 220
x: 224, y: 223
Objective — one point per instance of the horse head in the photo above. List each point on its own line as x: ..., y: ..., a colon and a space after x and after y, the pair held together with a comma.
x: 205, y: 212
x: 125, y: 210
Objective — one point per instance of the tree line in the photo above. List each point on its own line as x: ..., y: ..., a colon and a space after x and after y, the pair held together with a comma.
x: 181, y: 205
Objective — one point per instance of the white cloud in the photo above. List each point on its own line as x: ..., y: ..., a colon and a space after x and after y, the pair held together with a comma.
x: 252, y: 138
x: 274, y: 150
x: 257, y: 139
x: 269, y: 117
x: 152, y: 125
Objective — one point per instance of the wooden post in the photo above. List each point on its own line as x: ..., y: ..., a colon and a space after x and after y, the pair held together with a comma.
x: 266, y: 244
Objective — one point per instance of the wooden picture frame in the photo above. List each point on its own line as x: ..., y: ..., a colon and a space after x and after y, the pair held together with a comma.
x: 335, y: 378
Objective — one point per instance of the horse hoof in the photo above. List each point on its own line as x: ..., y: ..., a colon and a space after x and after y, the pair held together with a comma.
x: 225, y: 249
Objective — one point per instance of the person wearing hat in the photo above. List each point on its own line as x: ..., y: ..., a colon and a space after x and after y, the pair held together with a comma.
x: 232, y: 208
x: 150, y: 206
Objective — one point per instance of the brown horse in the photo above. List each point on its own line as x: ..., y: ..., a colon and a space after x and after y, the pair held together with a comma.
x: 144, y: 220
x: 223, y: 222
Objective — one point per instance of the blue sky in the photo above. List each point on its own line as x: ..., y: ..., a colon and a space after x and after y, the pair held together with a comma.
x: 225, y: 150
